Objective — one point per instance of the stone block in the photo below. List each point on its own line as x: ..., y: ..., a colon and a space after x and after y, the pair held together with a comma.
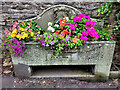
x: 21, y: 70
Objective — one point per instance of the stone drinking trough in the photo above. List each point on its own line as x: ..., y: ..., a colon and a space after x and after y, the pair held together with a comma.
x: 98, y: 53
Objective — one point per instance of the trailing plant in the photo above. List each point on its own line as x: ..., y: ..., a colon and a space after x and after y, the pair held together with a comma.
x: 106, y: 9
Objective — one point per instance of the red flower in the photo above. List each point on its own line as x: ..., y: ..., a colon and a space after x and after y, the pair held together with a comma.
x: 57, y: 32
x: 65, y: 31
x: 62, y: 23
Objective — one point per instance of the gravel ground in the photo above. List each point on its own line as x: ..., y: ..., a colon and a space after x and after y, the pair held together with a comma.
x: 8, y: 81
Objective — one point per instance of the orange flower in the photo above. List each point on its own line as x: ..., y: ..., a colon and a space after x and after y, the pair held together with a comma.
x: 65, y: 31
x: 62, y: 23
x: 70, y: 33
x: 57, y: 32
x: 74, y: 40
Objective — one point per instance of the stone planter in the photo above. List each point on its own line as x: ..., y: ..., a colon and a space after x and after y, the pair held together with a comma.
x: 98, y: 53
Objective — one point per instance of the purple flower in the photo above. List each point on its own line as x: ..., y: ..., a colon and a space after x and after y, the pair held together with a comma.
x: 48, y: 36
x: 47, y: 45
x: 47, y: 40
x: 51, y: 33
x: 65, y: 44
x: 52, y: 43
x: 55, y: 36
x: 3, y: 43
x: 42, y: 45
x: 62, y: 48
x: 66, y: 39
x: 9, y: 41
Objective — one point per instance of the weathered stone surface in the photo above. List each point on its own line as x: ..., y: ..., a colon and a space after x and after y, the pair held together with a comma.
x: 21, y: 70
x: 95, y: 53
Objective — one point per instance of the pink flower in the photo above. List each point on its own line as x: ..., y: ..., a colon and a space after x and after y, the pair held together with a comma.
x: 37, y: 26
x: 90, y: 24
x: 85, y: 33
x: 30, y: 30
x: 81, y: 15
x: 87, y: 17
x: 84, y: 38
x: 35, y: 33
x: 29, y: 23
x: 77, y: 19
x: 73, y: 26
x: 6, y: 31
x: 27, y: 27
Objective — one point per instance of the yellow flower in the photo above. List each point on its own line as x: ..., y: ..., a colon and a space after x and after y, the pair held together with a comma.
x: 13, y: 35
x: 31, y: 34
x: 15, y: 31
x: 25, y: 35
x: 43, y: 82
x: 18, y: 36
x: 39, y: 32
x: 21, y: 29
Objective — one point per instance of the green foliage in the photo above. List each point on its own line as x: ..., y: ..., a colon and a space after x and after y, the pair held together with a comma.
x: 107, y: 9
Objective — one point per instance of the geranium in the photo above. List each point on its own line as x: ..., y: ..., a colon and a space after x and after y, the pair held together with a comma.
x: 57, y: 32
x: 62, y: 23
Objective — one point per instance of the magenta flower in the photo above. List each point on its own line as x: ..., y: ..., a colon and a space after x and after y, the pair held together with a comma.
x: 81, y: 15
x: 84, y: 38
x: 77, y: 19
x: 73, y: 26
x: 85, y: 33
x: 90, y: 24
x: 87, y: 17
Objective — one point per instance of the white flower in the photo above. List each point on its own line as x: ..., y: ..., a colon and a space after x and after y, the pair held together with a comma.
x: 67, y: 18
x: 49, y: 23
x: 56, y: 25
x: 50, y: 29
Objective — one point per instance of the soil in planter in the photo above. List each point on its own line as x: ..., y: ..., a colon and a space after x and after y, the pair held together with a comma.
x: 62, y: 70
